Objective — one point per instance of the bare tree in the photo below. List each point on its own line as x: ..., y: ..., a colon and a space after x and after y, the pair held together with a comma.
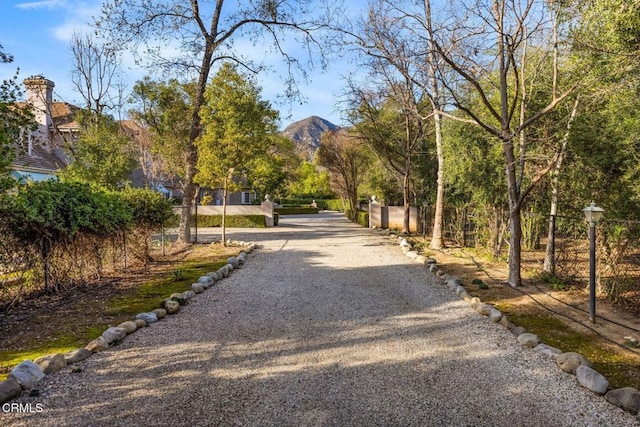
x: 97, y: 74
x: 394, y: 96
x: 189, y: 38
x: 480, y: 41
x: 346, y: 158
x: 396, y: 42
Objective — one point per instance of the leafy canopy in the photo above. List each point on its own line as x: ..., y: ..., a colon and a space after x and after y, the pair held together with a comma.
x: 239, y: 128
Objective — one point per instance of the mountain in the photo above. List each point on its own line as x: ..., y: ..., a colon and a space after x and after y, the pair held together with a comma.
x: 306, y: 134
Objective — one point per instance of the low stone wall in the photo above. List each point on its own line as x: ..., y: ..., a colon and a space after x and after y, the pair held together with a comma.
x: 392, y: 217
x: 265, y: 208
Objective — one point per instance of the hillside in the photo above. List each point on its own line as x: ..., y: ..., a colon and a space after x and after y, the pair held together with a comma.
x: 306, y: 134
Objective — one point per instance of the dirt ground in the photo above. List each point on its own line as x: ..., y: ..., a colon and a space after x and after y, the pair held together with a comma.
x: 46, y: 318
x: 616, y: 330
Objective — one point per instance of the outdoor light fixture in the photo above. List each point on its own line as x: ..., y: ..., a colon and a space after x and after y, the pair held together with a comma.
x: 593, y: 214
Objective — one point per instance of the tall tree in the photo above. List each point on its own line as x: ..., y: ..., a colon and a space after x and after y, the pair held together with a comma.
x: 307, y: 181
x: 402, y: 75
x: 164, y: 108
x: 204, y: 33
x: 103, y: 154
x: 395, y: 44
x: 239, y: 128
x: 97, y: 74
x: 347, y: 159
x: 481, y: 44
x: 396, y: 133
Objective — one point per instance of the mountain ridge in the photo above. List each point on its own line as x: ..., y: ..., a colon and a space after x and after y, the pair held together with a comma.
x: 306, y: 134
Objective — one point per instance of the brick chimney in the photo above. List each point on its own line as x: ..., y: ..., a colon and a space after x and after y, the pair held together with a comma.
x: 40, y: 96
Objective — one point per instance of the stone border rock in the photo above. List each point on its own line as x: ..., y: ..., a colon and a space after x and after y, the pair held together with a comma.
x: 627, y: 398
x: 26, y: 375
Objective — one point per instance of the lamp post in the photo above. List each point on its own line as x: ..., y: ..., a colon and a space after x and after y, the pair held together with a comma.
x: 424, y: 219
x: 592, y: 214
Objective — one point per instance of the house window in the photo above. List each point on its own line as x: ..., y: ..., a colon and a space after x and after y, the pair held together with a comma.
x: 247, y: 197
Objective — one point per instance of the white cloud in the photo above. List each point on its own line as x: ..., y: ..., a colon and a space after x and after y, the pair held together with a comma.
x: 45, y: 4
x: 77, y: 18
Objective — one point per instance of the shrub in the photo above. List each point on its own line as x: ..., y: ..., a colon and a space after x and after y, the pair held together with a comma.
x: 296, y: 210
x: 150, y: 208
x: 335, y: 205
x: 51, y: 216
x: 362, y: 218
x: 231, y: 221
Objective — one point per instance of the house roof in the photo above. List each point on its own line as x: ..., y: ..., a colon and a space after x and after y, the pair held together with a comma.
x: 39, y: 160
x: 63, y: 114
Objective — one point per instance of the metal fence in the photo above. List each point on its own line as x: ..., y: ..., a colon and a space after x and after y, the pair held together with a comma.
x: 617, y: 246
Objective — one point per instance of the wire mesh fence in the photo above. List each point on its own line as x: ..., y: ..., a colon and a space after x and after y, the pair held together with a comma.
x: 557, y: 245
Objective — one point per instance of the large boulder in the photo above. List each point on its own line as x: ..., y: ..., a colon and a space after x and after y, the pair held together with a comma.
x: 592, y: 380
x: 51, y: 363
x: 97, y: 345
x: 627, y: 398
x: 9, y: 389
x: 569, y: 362
x: 76, y: 355
x: 528, y: 340
x: 114, y: 335
x: 129, y: 325
x: 172, y: 307
x: 147, y: 317
x: 27, y: 374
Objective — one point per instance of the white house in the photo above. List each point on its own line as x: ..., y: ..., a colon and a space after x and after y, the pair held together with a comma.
x: 44, y: 154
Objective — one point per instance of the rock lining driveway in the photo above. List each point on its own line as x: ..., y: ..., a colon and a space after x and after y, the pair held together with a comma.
x: 328, y: 324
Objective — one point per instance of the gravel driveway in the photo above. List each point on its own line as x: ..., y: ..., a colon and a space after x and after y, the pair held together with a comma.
x: 327, y: 324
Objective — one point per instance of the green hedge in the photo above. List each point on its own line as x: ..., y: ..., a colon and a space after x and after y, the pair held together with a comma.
x: 335, y: 205
x: 363, y: 218
x: 232, y: 221
x: 296, y: 210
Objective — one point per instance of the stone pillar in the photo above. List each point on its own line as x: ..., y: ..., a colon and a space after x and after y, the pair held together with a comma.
x: 267, y: 210
x: 40, y: 97
x: 375, y: 219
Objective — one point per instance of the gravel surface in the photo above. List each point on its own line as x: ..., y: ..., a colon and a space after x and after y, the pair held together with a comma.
x: 327, y: 324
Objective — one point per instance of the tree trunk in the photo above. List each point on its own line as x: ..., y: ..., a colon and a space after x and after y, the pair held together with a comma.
x: 515, y: 221
x: 353, y: 196
x: 437, y: 240
x: 224, y: 212
x: 407, y: 204
x: 549, y: 264
x: 184, y: 234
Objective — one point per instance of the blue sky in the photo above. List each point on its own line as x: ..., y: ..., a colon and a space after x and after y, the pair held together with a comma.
x: 37, y: 34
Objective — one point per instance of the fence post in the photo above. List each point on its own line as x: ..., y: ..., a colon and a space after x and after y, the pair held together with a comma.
x: 162, y: 238
x: 124, y: 248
